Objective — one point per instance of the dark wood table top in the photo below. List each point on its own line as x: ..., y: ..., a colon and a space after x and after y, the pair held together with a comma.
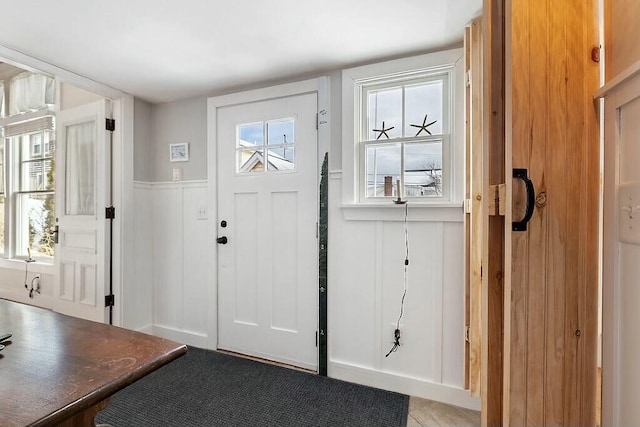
x: 56, y: 366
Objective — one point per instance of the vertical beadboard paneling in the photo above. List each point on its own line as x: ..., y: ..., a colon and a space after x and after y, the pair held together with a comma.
x: 351, y: 291
x: 453, y: 305
x: 138, y: 307
x: 168, y: 256
x: 420, y: 353
x: 195, y: 273
x: 629, y: 346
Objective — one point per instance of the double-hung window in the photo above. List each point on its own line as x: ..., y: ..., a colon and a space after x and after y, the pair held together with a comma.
x: 27, y: 169
x: 404, y: 129
x: 404, y: 137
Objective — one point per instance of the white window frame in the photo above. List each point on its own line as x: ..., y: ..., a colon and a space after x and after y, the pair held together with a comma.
x: 453, y: 149
x: 364, y: 86
x: 15, y: 197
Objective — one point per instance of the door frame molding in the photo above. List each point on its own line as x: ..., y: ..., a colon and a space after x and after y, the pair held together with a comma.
x: 320, y: 86
x: 123, y: 164
x: 619, y: 91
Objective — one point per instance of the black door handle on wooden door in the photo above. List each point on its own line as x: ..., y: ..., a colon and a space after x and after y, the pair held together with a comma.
x: 531, y: 200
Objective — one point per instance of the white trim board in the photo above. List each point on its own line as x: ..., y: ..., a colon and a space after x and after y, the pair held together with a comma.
x: 399, y: 384
x: 196, y: 183
x: 187, y: 337
x: 31, y: 63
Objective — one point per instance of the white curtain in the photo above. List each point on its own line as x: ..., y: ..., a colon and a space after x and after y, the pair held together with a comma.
x: 29, y: 91
x: 80, y: 169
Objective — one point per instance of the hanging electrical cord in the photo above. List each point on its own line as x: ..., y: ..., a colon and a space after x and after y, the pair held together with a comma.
x: 35, y: 282
x: 396, y: 333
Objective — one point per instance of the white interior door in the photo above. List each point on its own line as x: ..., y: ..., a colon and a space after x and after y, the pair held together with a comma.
x: 267, y: 195
x: 82, y: 180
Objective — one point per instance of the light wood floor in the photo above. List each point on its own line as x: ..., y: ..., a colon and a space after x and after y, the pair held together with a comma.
x: 423, y: 413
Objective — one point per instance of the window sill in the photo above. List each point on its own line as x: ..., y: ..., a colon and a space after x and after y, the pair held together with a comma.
x: 37, y: 267
x: 432, y: 212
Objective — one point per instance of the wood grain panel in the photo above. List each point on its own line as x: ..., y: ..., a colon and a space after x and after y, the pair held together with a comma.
x: 574, y: 177
x: 518, y: 75
x: 494, y: 163
x: 552, y: 328
x: 557, y: 196
x: 535, y: 146
x: 477, y: 207
x: 467, y: 197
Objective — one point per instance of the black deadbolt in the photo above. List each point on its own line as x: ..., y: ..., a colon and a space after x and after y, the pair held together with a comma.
x: 223, y: 223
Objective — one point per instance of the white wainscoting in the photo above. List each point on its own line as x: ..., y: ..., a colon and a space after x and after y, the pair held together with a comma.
x: 366, y: 282
x: 172, y: 241
x: 366, y: 261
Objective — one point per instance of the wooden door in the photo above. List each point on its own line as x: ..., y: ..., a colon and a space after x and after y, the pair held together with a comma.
x: 268, y: 199
x: 82, y: 189
x: 551, y: 285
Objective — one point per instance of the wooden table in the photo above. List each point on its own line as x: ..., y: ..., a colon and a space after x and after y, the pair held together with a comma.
x: 59, y: 370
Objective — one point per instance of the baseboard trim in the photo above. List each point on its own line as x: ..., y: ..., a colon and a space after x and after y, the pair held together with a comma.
x: 42, y: 301
x: 405, y: 385
x: 186, y: 337
x: 147, y: 329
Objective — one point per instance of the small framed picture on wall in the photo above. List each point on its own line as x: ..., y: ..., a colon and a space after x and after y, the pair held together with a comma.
x: 179, y: 152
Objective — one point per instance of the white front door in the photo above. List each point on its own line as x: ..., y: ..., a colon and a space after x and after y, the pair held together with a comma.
x: 82, y: 180
x: 267, y: 198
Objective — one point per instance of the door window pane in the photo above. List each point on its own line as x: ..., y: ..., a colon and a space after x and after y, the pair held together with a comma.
x: 281, y: 158
x: 280, y: 132
x: 251, y: 134
x: 250, y: 160
x: 80, y: 169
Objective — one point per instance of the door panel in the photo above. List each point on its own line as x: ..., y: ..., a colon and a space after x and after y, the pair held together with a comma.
x: 82, y: 179
x: 551, y: 295
x: 267, y: 194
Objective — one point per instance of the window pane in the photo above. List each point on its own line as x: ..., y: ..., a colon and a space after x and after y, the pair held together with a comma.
x: 1, y: 224
x: 34, y: 229
x: 423, y: 170
x: 36, y: 175
x: 280, y: 132
x: 250, y: 160
x: 251, y: 134
x: 281, y: 158
x: 383, y: 170
x: 2, y: 189
x: 80, y: 169
x: 423, y: 109
x: 385, y: 114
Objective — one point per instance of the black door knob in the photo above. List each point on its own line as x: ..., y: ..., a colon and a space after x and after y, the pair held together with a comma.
x: 222, y: 240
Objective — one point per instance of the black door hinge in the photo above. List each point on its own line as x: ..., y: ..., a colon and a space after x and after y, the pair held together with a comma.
x: 109, y: 300
x: 110, y: 124
x: 110, y: 212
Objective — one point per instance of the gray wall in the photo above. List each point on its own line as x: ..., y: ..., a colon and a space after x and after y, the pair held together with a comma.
x: 176, y: 122
x: 143, y: 149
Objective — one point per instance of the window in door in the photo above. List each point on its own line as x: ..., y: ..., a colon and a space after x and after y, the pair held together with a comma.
x: 266, y: 146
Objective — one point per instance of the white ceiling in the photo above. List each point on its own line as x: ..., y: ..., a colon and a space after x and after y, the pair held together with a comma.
x: 163, y: 50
